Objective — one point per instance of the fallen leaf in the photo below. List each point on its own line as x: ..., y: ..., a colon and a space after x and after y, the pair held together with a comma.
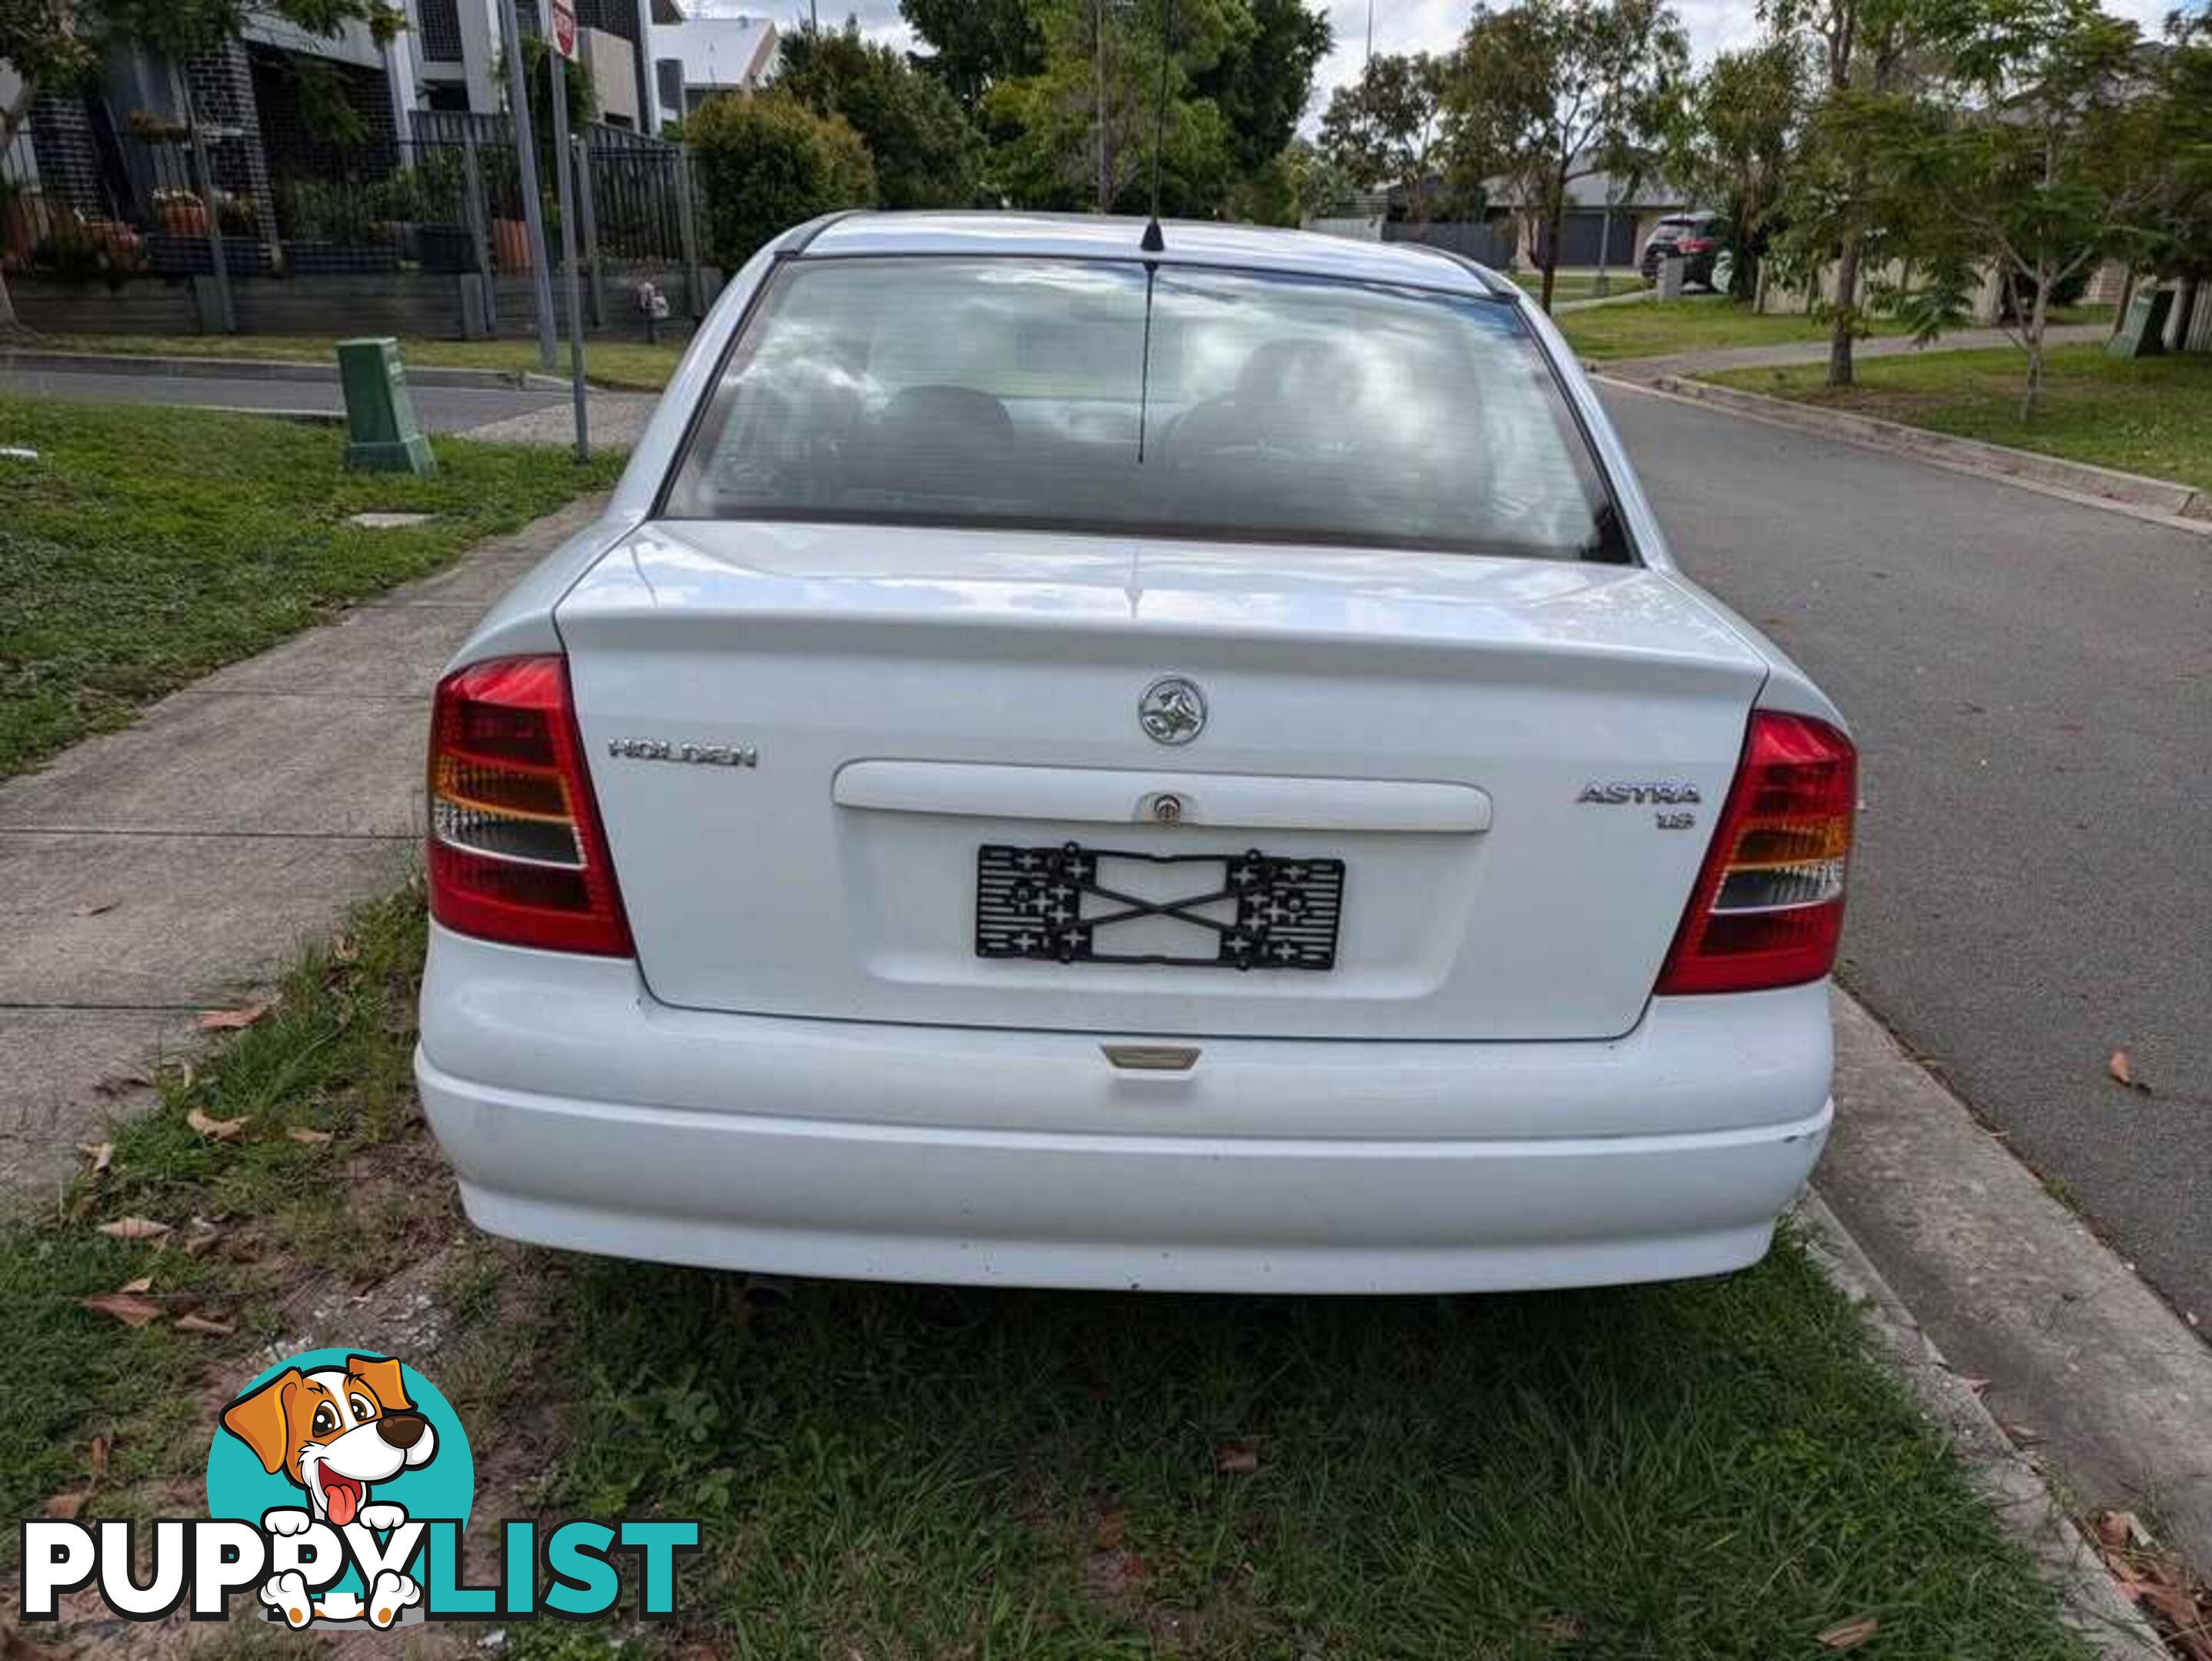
x: 130, y: 1310
x: 134, y: 1228
x: 313, y: 1139
x: 206, y: 1328
x: 2123, y: 1072
x: 344, y: 949
x: 143, y: 1283
x: 226, y: 1021
x: 120, y: 1084
x: 100, y: 1153
x: 204, y: 1234
x: 1108, y: 1535
x: 64, y: 1505
x: 1850, y: 1634
x: 104, y: 907
x: 2120, y: 1527
x: 99, y: 1456
x: 215, y: 1129
x: 1235, y: 1461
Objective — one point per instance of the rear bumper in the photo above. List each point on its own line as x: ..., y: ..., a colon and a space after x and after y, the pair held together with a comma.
x: 580, y: 1114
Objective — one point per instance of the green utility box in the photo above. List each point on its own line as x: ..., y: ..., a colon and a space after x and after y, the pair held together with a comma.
x: 381, y: 430
x: 2142, y: 333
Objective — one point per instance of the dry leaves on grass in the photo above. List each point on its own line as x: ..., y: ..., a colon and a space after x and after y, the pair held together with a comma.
x: 2124, y: 1073
x: 1235, y: 1461
x: 97, y: 1457
x: 2179, y: 1607
x: 101, y: 1153
x: 125, y: 1306
x: 64, y: 1506
x: 300, y: 1133
x: 215, y: 1129
x: 230, y: 1021
x: 1850, y: 1634
x: 134, y: 1228
x: 204, y: 1327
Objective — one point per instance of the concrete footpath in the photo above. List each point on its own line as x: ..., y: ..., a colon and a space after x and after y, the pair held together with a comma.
x: 1713, y: 359
x: 154, y: 873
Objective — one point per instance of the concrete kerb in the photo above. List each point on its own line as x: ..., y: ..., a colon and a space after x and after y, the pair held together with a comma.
x: 2166, y: 498
x: 262, y: 369
x: 2023, y: 1502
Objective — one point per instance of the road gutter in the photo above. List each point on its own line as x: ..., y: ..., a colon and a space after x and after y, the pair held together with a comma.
x: 2160, y: 501
x: 2091, y: 1603
x: 261, y: 369
x: 2090, y: 1377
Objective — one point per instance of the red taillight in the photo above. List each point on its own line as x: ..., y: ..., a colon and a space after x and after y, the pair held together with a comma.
x: 516, y: 851
x: 1768, y: 908
x: 1696, y: 244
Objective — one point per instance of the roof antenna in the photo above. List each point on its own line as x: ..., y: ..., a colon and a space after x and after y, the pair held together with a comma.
x: 1153, y: 242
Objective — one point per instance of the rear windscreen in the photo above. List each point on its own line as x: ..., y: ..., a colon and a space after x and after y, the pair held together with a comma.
x: 1103, y: 395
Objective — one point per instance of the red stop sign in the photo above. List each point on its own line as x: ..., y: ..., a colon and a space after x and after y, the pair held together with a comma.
x: 564, y: 29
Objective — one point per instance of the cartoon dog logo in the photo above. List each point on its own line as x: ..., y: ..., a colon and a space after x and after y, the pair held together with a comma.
x: 335, y: 1431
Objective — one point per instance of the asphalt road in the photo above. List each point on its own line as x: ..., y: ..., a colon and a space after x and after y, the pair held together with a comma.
x: 438, y: 409
x: 2030, y: 685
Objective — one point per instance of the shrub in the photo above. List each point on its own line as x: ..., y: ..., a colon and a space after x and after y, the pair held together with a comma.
x: 765, y: 162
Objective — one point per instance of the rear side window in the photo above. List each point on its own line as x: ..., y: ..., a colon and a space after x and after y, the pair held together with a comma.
x: 1176, y: 401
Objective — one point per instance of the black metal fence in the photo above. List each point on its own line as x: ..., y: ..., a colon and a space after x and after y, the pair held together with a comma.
x: 449, y: 199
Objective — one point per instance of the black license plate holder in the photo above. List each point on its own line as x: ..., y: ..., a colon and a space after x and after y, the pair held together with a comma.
x: 1060, y: 904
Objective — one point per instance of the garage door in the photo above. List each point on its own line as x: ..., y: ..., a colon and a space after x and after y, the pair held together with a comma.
x: 1583, y: 231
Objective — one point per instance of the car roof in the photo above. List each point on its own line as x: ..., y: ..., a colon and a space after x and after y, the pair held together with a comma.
x: 1188, y: 242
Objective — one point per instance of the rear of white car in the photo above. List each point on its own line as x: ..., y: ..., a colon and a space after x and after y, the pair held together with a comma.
x: 1060, y: 767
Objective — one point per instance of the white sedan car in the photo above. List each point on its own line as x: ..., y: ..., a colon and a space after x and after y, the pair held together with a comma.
x: 1072, y: 763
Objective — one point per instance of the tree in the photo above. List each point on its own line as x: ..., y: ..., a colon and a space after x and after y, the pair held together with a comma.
x: 53, y: 43
x: 1844, y: 209
x: 1081, y: 132
x: 1318, y: 185
x: 1263, y: 81
x: 766, y: 163
x: 1550, y: 91
x: 1730, y: 141
x: 2052, y: 153
x: 1386, y: 127
x: 976, y: 44
x: 925, y: 153
x: 2176, y: 238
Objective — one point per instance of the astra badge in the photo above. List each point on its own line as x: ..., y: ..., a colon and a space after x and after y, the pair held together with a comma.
x: 1617, y: 795
x: 1172, y: 711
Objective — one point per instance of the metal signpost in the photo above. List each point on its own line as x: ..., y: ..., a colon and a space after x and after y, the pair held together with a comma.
x: 525, y: 162
x: 565, y: 48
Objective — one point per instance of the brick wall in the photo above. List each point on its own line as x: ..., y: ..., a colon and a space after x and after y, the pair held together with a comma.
x: 69, y: 164
x: 221, y: 83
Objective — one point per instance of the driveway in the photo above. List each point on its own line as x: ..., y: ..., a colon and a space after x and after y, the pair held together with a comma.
x: 438, y: 409
x: 2031, y: 683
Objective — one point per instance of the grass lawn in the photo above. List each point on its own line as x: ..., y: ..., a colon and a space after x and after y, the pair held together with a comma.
x: 145, y: 547
x: 1714, y: 1470
x: 623, y: 364
x: 1683, y: 325
x: 2148, y: 415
